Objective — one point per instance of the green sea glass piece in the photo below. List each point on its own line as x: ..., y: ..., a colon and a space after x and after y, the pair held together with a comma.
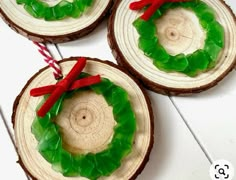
x: 198, y: 61
x: 176, y: 63
x: 145, y: 28
x: 204, y: 12
x: 61, y: 10
x: 215, y: 32
x: 90, y: 165
x: 188, y: 64
x: 212, y: 49
x: 147, y: 44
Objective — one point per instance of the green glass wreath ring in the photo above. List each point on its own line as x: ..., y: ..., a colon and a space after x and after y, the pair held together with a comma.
x: 103, y: 130
x: 90, y: 165
x: 61, y: 10
x: 190, y: 64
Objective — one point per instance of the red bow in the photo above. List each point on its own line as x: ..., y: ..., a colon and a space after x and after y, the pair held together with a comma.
x: 66, y: 84
x: 154, y: 5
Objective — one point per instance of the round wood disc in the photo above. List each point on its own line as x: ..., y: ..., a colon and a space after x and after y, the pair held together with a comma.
x: 59, y: 31
x: 179, y: 31
x: 86, y: 121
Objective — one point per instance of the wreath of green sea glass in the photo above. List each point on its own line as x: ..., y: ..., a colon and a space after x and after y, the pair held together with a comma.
x: 61, y: 10
x: 191, y: 64
x: 90, y: 165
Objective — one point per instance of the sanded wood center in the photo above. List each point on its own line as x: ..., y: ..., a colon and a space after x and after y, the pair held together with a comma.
x: 86, y: 123
x: 179, y: 31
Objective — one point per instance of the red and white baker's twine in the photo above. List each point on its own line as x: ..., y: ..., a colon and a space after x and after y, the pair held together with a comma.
x: 49, y: 60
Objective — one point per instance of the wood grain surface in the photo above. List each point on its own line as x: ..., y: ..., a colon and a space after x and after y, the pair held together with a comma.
x: 24, y: 114
x: 53, y: 31
x: 123, y: 40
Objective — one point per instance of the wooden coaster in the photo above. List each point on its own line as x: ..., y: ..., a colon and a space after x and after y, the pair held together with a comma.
x: 94, y: 129
x: 59, y: 31
x: 123, y: 40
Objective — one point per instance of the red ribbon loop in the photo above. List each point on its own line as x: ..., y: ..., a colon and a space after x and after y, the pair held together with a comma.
x: 153, y: 6
x: 66, y: 84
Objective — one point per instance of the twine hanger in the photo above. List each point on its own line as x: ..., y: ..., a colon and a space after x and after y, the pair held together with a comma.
x: 43, y: 50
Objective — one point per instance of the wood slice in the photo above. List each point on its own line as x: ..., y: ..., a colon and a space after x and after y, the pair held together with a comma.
x: 186, y: 38
x: 59, y: 31
x: 86, y: 122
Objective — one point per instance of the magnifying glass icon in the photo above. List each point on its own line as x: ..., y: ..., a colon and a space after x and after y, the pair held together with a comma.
x: 221, y: 171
